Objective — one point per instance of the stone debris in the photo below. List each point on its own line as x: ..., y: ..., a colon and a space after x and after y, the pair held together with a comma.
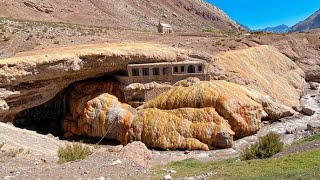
x: 308, y: 111
x: 116, y: 162
x: 167, y: 177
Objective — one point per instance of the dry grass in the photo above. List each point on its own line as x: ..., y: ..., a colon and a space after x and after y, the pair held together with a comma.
x: 76, y: 151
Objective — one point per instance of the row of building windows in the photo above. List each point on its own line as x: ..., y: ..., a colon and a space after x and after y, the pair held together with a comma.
x: 165, y: 70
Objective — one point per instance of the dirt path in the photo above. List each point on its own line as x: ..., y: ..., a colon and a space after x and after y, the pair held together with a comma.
x: 299, y: 148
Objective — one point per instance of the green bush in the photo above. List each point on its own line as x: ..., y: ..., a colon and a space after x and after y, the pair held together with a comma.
x: 266, y: 147
x: 76, y: 151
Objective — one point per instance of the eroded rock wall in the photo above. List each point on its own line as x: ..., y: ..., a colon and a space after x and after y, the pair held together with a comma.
x: 33, y: 78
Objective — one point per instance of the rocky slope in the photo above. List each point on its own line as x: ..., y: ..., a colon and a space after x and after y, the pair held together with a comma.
x: 187, y: 15
x: 311, y: 22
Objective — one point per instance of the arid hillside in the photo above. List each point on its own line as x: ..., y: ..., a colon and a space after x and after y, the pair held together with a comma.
x: 312, y: 22
x: 183, y: 15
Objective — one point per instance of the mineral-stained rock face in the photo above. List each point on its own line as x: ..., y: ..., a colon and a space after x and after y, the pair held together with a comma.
x: 230, y: 102
x: 33, y: 78
x: 262, y: 68
x: 100, y: 116
x: 185, y: 128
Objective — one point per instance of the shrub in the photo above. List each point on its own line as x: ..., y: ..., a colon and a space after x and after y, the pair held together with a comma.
x: 14, y: 152
x: 266, y: 147
x: 76, y: 151
x: 6, y: 38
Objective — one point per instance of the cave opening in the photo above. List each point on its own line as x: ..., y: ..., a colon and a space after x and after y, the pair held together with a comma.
x: 48, y: 118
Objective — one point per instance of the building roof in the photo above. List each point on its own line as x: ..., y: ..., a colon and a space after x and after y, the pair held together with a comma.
x: 165, y: 25
x: 168, y: 63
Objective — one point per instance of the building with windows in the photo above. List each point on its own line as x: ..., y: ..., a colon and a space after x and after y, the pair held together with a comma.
x: 164, y: 72
x: 164, y: 28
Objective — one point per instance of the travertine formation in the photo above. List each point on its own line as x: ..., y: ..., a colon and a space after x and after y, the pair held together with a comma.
x: 230, y: 102
x: 262, y: 68
x: 33, y: 78
x: 102, y: 116
x: 184, y: 128
x: 191, y: 115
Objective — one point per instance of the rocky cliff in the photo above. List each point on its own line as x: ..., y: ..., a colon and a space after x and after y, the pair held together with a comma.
x: 186, y: 15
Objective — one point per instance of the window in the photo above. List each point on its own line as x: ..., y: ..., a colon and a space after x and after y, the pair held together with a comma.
x: 191, y: 69
x: 200, y: 68
x: 156, y: 71
x: 176, y: 69
x: 165, y: 71
x: 135, y: 72
x: 145, y: 71
x: 182, y: 68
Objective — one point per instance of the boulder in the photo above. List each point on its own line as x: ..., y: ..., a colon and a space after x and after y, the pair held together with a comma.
x: 308, y: 111
x: 262, y: 68
x: 314, y: 86
x: 314, y: 127
x: 137, y: 152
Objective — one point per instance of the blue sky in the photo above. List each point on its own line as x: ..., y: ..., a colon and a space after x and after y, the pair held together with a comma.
x: 258, y: 14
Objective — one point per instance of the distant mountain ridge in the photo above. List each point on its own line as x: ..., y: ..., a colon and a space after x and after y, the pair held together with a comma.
x: 277, y: 29
x: 312, y: 22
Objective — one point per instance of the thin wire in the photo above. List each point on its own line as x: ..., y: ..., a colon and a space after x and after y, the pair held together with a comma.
x: 106, y: 132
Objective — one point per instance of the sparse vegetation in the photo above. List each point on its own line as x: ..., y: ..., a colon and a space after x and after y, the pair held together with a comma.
x: 266, y: 147
x: 295, y: 59
x: 210, y: 30
x: 14, y: 152
x: 303, y: 165
x: 218, y: 43
x: 232, y: 47
x: 6, y: 38
x: 76, y: 151
x: 308, y: 139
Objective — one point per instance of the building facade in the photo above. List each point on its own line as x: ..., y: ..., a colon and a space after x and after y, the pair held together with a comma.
x: 171, y: 72
x: 164, y: 28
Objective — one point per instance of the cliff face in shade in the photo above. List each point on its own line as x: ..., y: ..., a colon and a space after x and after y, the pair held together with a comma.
x: 264, y: 69
x: 33, y: 78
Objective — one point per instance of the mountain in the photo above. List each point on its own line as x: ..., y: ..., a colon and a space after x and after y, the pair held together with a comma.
x: 244, y: 27
x: 277, y: 29
x: 312, y: 22
x: 183, y: 15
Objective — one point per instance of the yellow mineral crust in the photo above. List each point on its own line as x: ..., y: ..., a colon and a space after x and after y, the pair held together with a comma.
x: 230, y: 102
x: 100, y: 116
x: 185, y: 128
